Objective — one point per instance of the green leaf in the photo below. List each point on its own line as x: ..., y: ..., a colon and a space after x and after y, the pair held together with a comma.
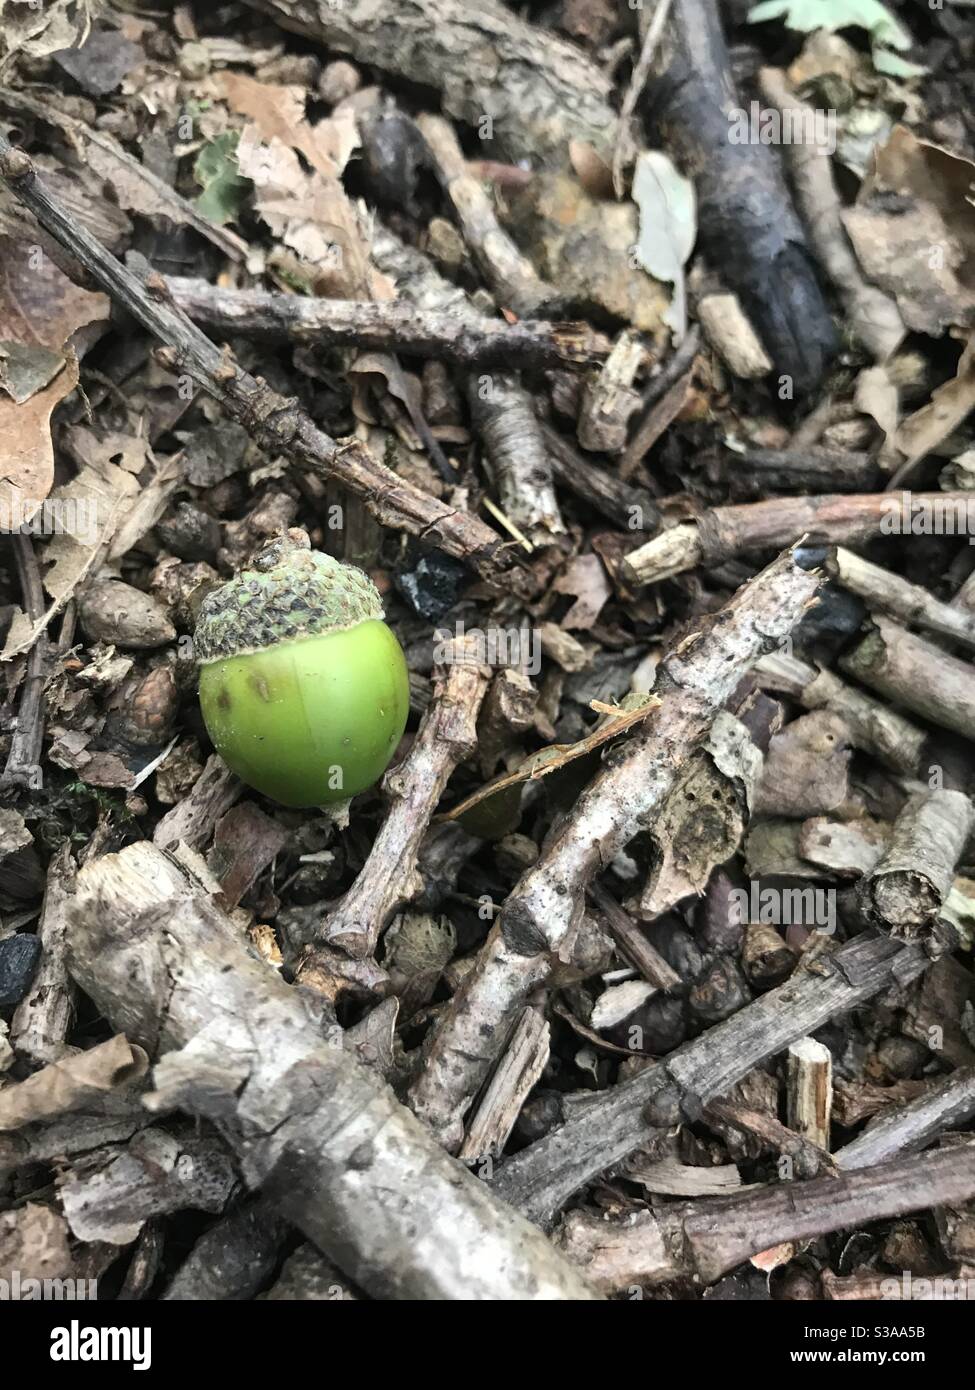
x: 224, y: 188
x: 808, y: 15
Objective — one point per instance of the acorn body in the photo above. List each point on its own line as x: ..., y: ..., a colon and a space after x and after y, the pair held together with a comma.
x: 303, y: 687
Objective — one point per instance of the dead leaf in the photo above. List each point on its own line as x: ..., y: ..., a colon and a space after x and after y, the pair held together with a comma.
x: 40, y: 308
x: 311, y: 213
x: 586, y: 579
x: 922, y: 432
x: 72, y: 1083
x: 913, y: 228
x: 806, y: 768
x: 278, y: 113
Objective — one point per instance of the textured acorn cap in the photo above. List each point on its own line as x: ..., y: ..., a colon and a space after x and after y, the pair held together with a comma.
x: 290, y: 594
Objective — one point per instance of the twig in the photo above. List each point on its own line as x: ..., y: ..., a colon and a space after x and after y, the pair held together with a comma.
x: 539, y: 917
x: 603, y: 1129
x: 700, y: 1241
x: 43, y: 1017
x: 905, y: 890
x: 638, y: 80
x: 23, y: 760
x: 280, y: 426
x: 630, y: 508
x: 748, y: 225
x: 501, y: 407
x: 724, y: 532
x: 389, y: 878
x: 874, y: 728
x: 800, y: 470
x: 907, y: 602
x: 511, y: 277
x: 905, y: 1128
x: 874, y: 315
x: 609, y: 399
x: 519, y: 1069
x: 323, y: 1137
x: 809, y: 1090
x: 915, y: 674
x: 387, y: 326
x: 632, y: 942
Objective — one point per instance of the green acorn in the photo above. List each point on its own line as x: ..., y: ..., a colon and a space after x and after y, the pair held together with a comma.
x: 303, y: 687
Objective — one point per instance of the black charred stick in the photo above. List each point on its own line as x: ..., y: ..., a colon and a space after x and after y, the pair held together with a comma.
x: 749, y: 229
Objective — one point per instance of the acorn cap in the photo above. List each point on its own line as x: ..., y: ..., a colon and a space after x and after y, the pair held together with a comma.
x: 290, y: 594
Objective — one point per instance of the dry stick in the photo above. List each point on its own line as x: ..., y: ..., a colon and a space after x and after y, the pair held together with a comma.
x: 801, y: 470
x: 603, y: 1129
x: 502, y: 409
x: 748, y: 225
x: 631, y: 508
x: 387, y: 326
x: 906, y: 889
x: 389, y: 878
x: 539, y: 917
x: 321, y: 1135
x: 909, y: 603
x: 874, y: 728
x: 874, y: 315
x: 278, y: 425
x: 915, y: 674
x: 702, y: 1240
x: 23, y: 759
x: 43, y: 1018
x: 809, y: 1090
x: 512, y: 278
x: 638, y: 80
x: 537, y: 91
x: 632, y: 942
x: 524, y: 1060
x: 810, y: 1159
x: 609, y: 398
x: 903, y: 1128
x: 724, y: 532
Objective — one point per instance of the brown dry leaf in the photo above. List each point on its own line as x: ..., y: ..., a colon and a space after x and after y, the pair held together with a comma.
x: 102, y: 503
x: 278, y: 113
x: 922, y: 432
x: 913, y: 227
x: 585, y: 578
x: 41, y: 308
x: 310, y: 213
x: 806, y: 768
x: 72, y: 1083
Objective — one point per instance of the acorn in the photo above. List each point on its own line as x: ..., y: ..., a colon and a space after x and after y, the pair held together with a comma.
x: 303, y: 688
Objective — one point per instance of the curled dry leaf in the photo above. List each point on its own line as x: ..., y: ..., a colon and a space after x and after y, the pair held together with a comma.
x: 72, y: 1083
x: 41, y: 310
x: 913, y: 228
